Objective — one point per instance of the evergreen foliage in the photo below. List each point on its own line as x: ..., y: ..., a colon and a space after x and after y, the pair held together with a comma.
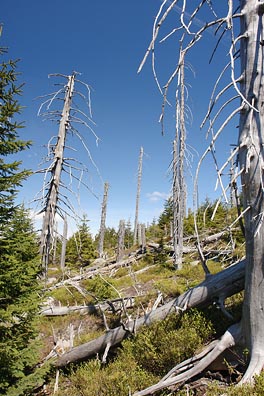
x: 19, y: 297
x: 10, y: 174
x: 19, y: 261
x: 110, y: 240
x: 166, y: 216
x: 129, y: 235
x: 80, y: 249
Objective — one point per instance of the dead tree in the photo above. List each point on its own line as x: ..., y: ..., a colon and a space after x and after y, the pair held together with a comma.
x: 139, y: 238
x: 245, y: 101
x: 64, y: 243
x: 214, y: 289
x: 138, y: 193
x: 102, y: 225
x: 52, y: 200
x: 143, y: 238
x: 178, y: 185
x: 53, y: 193
x: 121, y: 240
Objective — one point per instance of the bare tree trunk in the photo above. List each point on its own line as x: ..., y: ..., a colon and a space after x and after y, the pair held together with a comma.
x: 139, y: 235
x: 179, y: 188
x: 251, y: 161
x: 121, y: 240
x: 138, y: 193
x: 52, y: 196
x: 143, y: 237
x: 103, y: 217
x: 55, y: 244
x: 64, y: 244
x: 232, y: 184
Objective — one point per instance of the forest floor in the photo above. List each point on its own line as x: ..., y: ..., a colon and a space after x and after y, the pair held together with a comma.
x: 142, y: 283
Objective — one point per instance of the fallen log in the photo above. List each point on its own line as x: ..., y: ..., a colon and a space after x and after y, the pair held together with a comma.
x: 170, y: 248
x: 111, y: 305
x: 93, y: 271
x: 214, y: 288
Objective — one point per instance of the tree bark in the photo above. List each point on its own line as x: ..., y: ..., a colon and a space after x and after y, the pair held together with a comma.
x: 53, y: 193
x: 64, y: 244
x: 111, y: 305
x: 251, y: 140
x: 121, y: 240
x: 138, y: 193
x: 178, y: 187
x: 102, y: 225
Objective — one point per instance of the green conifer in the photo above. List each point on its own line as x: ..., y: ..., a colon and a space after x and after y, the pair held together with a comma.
x: 19, y: 261
x: 80, y: 248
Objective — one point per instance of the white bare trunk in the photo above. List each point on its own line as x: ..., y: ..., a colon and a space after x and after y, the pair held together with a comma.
x: 251, y: 161
x: 178, y: 188
x: 143, y: 237
x: 102, y: 225
x: 64, y: 243
x: 121, y: 240
x: 53, y: 192
x: 138, y: 193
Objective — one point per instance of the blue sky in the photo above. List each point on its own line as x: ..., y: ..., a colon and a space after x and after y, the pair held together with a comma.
x: 105, y: 41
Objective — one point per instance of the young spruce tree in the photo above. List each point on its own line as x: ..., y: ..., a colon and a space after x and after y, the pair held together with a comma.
x: 80, y: 249
x: 19, y: 261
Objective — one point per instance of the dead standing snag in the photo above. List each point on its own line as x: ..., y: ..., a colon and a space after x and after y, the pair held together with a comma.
x: 57, y: 163
x: 247, y: 88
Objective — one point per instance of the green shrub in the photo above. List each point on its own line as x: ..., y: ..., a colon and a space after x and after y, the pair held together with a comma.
x: 245, y: 390
x: 101, y: 289
x: 166, y: 343
x: 116, y: 379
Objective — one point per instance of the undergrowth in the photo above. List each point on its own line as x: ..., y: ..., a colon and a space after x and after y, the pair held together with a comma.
x: 143, y: 360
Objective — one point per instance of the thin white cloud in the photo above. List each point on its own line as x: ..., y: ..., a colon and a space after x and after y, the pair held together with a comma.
x: 157, y: 196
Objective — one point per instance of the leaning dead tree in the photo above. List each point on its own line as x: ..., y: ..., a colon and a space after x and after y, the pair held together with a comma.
x: 102, y: 224
x: 238, y: 100
x: 53, y: 201
x: 50, y: 209
x: 138, y: 193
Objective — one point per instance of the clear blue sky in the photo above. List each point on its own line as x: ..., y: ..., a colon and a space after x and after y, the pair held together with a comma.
x: 105, y: 41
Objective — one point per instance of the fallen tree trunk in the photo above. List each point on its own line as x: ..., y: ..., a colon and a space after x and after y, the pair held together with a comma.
x: 214, y: 288
x: 93, y: 271
x: 111, y: 305
x: 191, y: 249
x: 170, y: 248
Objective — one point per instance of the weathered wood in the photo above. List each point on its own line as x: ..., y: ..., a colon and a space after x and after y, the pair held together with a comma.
x: 251, y: 137
x: 98, y: 269
x: 111, y: 305
x: 121, y: 241
x: 220, y: 285
x: 102, y: 224
x: 138, y: 193
x: 64, y: 244
x: 50, y: 209
x: 178, y: 185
